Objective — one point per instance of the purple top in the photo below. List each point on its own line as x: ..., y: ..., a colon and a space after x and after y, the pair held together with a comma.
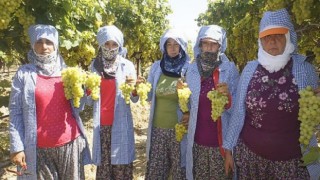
x: 206, y: 131
x: 271, y: 127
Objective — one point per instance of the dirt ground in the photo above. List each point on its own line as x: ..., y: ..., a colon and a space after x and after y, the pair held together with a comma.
x: 140, y: 115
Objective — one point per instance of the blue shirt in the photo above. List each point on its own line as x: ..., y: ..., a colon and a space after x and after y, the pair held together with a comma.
x: 23, y: 120
x: 228, y: 74
x: 305, y: 75
x: 122, y: 134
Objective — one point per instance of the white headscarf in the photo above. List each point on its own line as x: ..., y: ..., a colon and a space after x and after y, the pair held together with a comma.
x: 275, y: 63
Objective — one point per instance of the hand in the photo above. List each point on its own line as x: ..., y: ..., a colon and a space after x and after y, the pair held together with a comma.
x: 228, y: 163
x: 140, y: 80
x: 317, y: 91
x: 185, y: 119
x: 19, y: 158
x: 130, y: 80
x: 223, y: 88
x: 181, y: 84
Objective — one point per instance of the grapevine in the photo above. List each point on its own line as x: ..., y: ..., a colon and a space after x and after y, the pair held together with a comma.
x: 183, y: 95
x: 309, y: 114
x: 218, y: 102
x: 126, y: 91
x: 180, y: 131
x: 73, y: 79
x: 142, y: 90
x: 93, y: 84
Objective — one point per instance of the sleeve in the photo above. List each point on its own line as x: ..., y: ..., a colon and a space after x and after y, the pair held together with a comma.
x: 233, y: 80
x: 132, y: 72
x: 151, y: 80
x: 16, y: 126
x: 237, y: 111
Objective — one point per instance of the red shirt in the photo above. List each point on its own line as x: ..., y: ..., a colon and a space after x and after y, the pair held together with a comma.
x: 108, y: 94
x: 56, y: 125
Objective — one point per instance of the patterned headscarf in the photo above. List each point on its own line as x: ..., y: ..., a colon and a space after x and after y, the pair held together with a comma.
x: 48, y: 65
x: 107, y: 68
x: 208, y: 61
x: 172, y: 66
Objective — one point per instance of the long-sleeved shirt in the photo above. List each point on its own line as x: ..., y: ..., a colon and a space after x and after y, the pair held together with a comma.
x: 23, y: 120
x: 153, y: 78
x: 122, y: 135
x: 228, y: 74
x: 305, y: 75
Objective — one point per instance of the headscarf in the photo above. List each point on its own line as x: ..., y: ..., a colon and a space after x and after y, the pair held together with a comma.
x: 173, y: 66
x: 275, y: 22
x: 208, y: 61
x: 51, y: 64
x: 106, y: 60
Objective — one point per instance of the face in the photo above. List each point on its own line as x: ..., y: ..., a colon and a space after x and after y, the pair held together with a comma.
x: 111, y: 44
x: 172, y: 47
x: 44, y: 46
x: 274, y: 44
x: 207, y: 45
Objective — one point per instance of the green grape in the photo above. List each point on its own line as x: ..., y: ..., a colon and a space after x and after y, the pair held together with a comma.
x: 309, y: 113
x: 183, y: 95
x: 180, y: 131
x: 93, y: 81
x: 126, y: 91
x: 142, y: 90
x: 73, y: 79
x: 218, y: 103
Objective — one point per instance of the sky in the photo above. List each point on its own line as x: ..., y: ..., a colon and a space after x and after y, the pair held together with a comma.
x: 184, y: 14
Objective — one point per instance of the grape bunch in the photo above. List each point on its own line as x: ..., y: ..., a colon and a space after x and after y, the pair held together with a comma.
x: 93, y: 84
x: 73, y: 79
x: 218, y: 102
x: 142, y: 90
x: 180, y: 131
x: 126, y: 91
x: 7, y: 7
x: 183, y: 96
x: 309, y: 114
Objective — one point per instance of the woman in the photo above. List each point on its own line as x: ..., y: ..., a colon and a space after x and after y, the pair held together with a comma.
x: 46, y: 133
x: 265, y: 122
x: 166, y: 156
x: 211, y: 69
x: 113, y: 137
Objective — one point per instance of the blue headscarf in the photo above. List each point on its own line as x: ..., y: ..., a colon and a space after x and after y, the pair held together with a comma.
x: 279, y: 18
x: 172, y: 66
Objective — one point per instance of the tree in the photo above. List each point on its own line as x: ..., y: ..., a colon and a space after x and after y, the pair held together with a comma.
x: 77, y: 21
x: 241, y: 21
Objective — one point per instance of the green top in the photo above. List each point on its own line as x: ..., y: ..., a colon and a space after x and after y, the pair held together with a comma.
x: 165, y: 115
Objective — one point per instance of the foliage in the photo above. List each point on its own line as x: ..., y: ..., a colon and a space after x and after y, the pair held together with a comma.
x: 4, y: 93
x: 4, y: 140
x: 241, y: 20
x: 142, y: 22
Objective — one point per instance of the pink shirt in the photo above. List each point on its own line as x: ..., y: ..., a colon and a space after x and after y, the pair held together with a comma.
x: 56, y: 125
